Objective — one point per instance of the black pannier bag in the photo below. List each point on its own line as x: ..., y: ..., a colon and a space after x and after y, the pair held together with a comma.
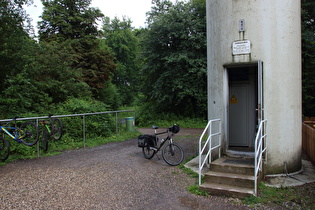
x: 141, y: 141
x: 146, y: 140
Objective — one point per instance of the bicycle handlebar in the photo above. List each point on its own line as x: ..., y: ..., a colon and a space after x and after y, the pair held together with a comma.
x: 174, y: 129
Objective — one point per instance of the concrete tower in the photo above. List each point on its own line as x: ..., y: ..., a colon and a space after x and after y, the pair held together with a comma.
x: 254, y: 73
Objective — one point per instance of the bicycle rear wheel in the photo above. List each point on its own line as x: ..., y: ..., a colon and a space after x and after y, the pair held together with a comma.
x: 56, y: 128
x: 29, y: 133
x: 4, y: 149
x: 173, y: 154
x: 148, y: 152
x: 45, y: 139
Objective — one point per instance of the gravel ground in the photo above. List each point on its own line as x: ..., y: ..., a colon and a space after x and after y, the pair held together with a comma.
x: 112, y: 176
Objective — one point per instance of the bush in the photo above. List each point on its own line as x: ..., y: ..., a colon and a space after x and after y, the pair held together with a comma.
x: 146, y: 117
x: 95, y: 125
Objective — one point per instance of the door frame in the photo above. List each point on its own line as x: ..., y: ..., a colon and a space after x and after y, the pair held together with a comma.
x: 258, y: 65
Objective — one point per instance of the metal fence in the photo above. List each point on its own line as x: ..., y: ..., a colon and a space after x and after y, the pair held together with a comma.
x: 74, y: 115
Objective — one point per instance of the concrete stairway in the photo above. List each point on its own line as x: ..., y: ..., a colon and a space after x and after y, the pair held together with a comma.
x: 230, y: 176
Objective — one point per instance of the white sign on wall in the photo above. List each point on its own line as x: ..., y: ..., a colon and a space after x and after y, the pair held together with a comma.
x: 241, y: 47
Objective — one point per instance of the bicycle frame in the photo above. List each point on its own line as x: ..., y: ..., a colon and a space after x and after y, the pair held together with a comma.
x: 169, y: 137
x: 44, y: 123
x: 15, y: 135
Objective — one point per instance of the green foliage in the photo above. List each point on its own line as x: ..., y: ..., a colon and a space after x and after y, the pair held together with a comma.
x: 190, y: 172
x: 124, y: 44
x: 64, y: 19
x: 283, y: 196
x: 21, y: 96
x: 72, y: 25
x: 194, y: 189
x: 95, y: 125
x: 148, y: 116
x: 110, y: 96
x: 175, y: 73
x: 20, y: 151
x: 308, y: 55
x: 14, y: 40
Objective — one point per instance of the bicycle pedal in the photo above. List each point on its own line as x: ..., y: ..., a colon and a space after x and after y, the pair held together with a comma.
x: 153, y: 148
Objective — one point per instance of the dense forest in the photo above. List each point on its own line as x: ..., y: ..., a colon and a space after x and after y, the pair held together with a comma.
x: 75, y: 66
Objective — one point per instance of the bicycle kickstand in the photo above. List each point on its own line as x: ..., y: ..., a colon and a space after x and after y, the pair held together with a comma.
x: 157, y: 156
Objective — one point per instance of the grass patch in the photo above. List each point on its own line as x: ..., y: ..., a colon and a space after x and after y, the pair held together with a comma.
x: 301, y: 197
x: 66, y: 143
x: 166, y: 121
x: 194, y: 189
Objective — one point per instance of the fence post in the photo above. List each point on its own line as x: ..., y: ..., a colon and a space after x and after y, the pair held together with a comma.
x: 38, y: 151
x: 116, y: 124
x: 83, y: 124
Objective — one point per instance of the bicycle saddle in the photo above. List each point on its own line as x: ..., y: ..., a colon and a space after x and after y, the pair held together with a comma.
x: 155, y: 127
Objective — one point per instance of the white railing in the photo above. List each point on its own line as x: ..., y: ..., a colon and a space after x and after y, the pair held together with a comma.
x: 260, y: 149
x: 209, y: 144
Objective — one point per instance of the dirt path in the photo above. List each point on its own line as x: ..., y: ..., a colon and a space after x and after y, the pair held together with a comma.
x: 112, y: 176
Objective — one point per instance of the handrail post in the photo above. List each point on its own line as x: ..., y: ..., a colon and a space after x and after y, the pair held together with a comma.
x: 208, y: 144
x: 260, y: 148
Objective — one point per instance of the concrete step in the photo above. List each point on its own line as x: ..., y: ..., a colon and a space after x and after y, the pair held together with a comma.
x: 239, y: 180
x: 227, y: 190
x: 233, y: 165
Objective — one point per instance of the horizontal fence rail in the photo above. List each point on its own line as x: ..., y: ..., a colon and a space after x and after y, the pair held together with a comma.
x: 72, y: 115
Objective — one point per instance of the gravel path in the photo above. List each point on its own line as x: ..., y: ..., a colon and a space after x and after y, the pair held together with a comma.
x: 112, y: 176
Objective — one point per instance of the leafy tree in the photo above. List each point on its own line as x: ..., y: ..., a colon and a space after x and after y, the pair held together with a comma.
x: 54, y: 77
x: 124, y: 44
x: 68, y: 19
x: 14, y: 40
x: 72, y: 25
x: 308, y: 55
x: 175, y: 50
x: 16, y: 53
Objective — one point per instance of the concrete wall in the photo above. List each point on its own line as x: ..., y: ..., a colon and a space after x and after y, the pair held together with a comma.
x: 274, y: 30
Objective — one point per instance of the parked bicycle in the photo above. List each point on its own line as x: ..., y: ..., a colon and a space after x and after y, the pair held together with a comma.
x: 51, y: 128
x: 172, y: 153
x: 27, y: 134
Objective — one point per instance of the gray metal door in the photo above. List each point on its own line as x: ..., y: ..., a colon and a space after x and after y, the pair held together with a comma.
x: 238, y: 115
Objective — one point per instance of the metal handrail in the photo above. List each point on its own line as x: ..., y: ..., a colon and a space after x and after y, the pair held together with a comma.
x: 260, y: 149
x: 209, y: 144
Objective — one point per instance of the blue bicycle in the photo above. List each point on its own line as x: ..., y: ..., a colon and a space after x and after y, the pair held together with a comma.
x: 27, y: 134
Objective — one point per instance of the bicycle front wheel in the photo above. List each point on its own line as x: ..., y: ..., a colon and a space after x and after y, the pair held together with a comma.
x: 148, y: 152
x: 29, y: 133
x: 56, y: 128
x: 173, y: 154
x: 4, y: 149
